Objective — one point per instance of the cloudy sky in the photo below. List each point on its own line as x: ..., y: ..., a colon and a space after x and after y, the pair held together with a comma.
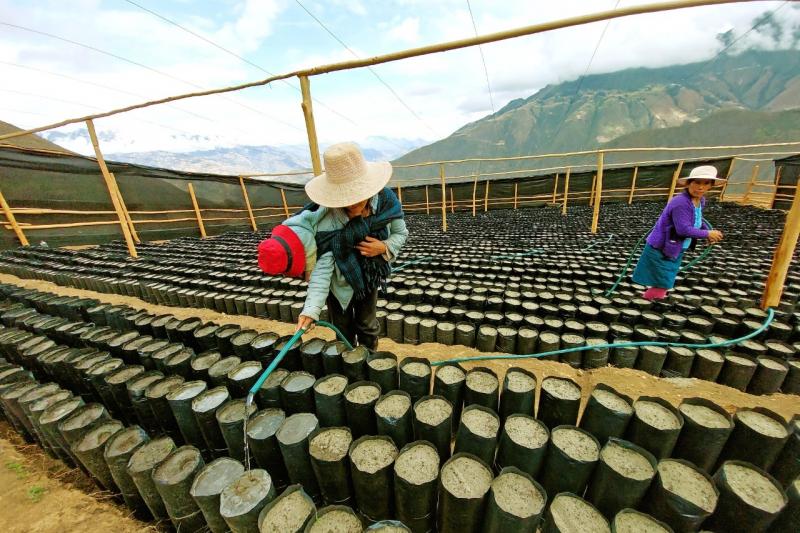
x: 64, y: 59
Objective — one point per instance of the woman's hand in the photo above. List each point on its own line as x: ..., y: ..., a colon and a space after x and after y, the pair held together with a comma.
x: 304, y: 322
x: 371, y: 247
x: 714, y: 236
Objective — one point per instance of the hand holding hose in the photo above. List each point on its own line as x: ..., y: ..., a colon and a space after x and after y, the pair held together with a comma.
x: 714, y: 236
x: 306, y: 323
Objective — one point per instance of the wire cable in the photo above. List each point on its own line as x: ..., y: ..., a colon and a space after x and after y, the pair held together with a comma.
x: 372, y: 70
x: 483, y: 59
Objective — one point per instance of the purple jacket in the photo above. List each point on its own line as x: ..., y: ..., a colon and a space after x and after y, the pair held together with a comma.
x: 675, y: 225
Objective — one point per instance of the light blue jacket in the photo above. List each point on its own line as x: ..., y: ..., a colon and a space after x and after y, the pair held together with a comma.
x: 326, y: 276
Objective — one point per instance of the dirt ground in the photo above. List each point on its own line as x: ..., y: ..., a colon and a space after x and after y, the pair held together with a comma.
x: 40, y: 495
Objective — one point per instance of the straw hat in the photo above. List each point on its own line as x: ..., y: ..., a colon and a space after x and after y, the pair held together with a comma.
x: 704, y: 172
x: 348, y: 178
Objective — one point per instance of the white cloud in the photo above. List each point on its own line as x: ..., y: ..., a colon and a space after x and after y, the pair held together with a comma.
x: 406, y: 31
x: 254, y: 24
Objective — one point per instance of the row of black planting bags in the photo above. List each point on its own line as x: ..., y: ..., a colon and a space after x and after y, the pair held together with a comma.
x: 299, y: 406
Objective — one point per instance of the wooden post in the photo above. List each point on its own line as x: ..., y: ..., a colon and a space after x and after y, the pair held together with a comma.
x: 750, y: 184
x: 13, y: 221
x: 727, y: 180
x: 128, y: 220
x: 427, y: 202
x: 783, y: 256
x: 566, y: 191
x: 486, y: 197
x: 400, y: 195
x: 777, y: 183
x: 598, y: 193
x: 555, y: 189
x: 591, y: 193
x: 633, y: 185
x: 444, y: 198
x: 311, y: 128
x: 452, y: 202
x: 247, y: 204
x: 197, y: 212
x: 515, y: 194
x: 285, y: 205
x: 474, y: 195
x: 111, y: 189
x: 674, y: 183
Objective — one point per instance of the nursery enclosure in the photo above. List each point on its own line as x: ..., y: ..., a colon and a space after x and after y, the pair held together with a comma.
x: 522, y: 381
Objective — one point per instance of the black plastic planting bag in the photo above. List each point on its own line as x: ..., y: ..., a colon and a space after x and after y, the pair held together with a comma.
x: 513, y: 402
x: 735, y: 514
x: 140, y: 468
x: 374, y: 491
x: 415, y: 386
x: 786, y: 467
x: 207, y: 486
x: 468, y: 441
x: 485, y: 398
x: 293, y: 441
x: 297, y: 393
x: 603, y: 422
x: 659, y: 442
x: 173, y: 480
x: 263, y: 518
x: 610, y: 491
x: 700, y: 444
x: 387, y: 377
x: 333, y: 475
x: 455, y: 514
x: 319, y: 515
x: 497, y: 520
x: 511, y: 453
x: 361, y: 416
x: 452, y: 392
x: 263, y: 442
x: 354, y: 364
x: 678, y: 513
x: 562, y: 473
x: 415, y: 503
x: 439, y: 434
x: 330, y: 404
x: 789, y: 519
x: 746, y: 444
x: 555, y: 411
x: 550, y: 525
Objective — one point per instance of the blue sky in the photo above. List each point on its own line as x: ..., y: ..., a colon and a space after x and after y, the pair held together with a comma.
x: 47, y: 79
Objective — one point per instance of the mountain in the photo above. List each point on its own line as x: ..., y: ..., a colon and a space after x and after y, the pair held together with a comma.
x: 633, y: 106
x: 28, y: 141
x: 262, y: 159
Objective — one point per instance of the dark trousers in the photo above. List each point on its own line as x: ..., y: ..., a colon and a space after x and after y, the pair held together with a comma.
x: 358, y: 322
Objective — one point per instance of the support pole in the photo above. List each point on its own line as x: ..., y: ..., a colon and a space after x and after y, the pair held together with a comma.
x: 197, y: 212
x: 400, y: 195
x: 566, y: 192
x: 311, y: 128
x: 516, y: 185
x: 633, y: 185
x: 452, y: 202
x: 486, y: 197
x: 444, y: 198
x: 427, y: 202
x: 674, y: 183
x: 598, y: 193
x: 727, y: 180
x: 591, y: 193
x: 128, y: 220
x: 109, y: 179
x: 777, y: 183
x: 474, y: 195
x: 247, y: 204
x: 750, y: 184
x: 285, y: 205
x: 783, y: 256
x: 555, y: 189
x: 13, y: 221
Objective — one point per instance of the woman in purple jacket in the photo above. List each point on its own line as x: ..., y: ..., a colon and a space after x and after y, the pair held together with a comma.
x: 679, y: 225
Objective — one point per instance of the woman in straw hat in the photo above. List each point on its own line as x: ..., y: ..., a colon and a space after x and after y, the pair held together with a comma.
x: 679, y: 226
x: 357, y: 236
